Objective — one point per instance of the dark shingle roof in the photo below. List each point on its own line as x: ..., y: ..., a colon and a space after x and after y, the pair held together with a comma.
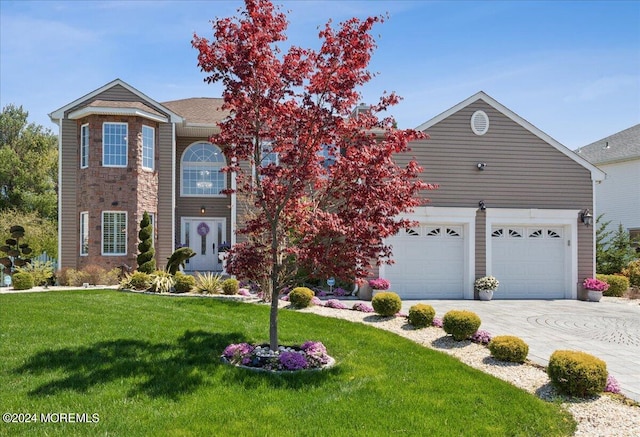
x: 621, y: 146
x: 199, y: 110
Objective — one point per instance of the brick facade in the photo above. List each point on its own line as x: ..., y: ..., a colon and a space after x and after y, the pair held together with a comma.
x: 131, y: 189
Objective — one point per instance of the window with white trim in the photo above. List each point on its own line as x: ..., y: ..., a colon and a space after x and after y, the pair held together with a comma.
x: 148, y: 147
x: 84, y: 146
x: 114, y: 144
x: 202, y: 174
x: 328, y: 155
x: 84, y: 233
x: 114, y: 233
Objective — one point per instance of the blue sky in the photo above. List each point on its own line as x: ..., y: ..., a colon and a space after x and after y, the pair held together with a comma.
x: 570, y: 68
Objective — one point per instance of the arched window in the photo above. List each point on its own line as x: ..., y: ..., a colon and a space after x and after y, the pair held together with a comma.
x: 201, y: 175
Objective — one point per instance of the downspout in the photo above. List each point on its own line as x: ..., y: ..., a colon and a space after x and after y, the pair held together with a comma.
x: 173, y: 187
x: 595, y: 225
x: 59, y: 193
x: 233, y: 207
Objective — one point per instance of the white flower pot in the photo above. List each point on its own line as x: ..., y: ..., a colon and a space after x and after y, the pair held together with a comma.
x: 485, y: 294
x: 594, y: 296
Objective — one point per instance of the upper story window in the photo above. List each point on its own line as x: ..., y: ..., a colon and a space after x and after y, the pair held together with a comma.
x: 84, y: 146
x: 201, y: 170
x: 114, y: 233
x: 148, y: 147
x: 268, y: 155
x: 114, y: 144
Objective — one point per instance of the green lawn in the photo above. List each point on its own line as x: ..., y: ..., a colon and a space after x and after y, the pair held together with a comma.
x: 149, y: 365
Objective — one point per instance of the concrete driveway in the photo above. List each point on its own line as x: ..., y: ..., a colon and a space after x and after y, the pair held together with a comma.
x: 609, y: 329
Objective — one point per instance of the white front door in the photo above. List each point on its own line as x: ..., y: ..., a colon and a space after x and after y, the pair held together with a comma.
x: 204, y: 235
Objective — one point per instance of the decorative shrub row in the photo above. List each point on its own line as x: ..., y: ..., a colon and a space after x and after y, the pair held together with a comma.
x: 577, y: 373
x: 618, y: 285
x: 91, y: 274
x: 386, y: 303
x: 460, y: 324
x: 509, y: 348
x: 421, y: 315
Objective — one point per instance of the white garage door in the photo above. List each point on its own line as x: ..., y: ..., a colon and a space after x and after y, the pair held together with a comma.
x: 529, y: 262
x: 429, y: 262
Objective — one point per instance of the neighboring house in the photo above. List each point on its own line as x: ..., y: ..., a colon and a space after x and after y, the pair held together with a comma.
x: 618, y: 196
x: 509, y: 203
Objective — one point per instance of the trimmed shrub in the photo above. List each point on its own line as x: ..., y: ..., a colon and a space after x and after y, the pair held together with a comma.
x: 386, y: 303
x: 61, y: 276
x: 509, y: 348
x: 22, y: 281
x: 76, y: 277
x: 183, y: 283
x: 136, y: 281
x: 577, y: 373
x: 230, y: 286
x: 300, y: 297
x: 632, y: 271
x: 421, y: 315
x: 460, y: 324
x: 146, y: 256
x: 618, y: 285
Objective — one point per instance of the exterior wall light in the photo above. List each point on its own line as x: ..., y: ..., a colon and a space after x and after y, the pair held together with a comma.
x: 586, y: 217
x: 481, y: 166
x: 482, y: 206
x: 203, y: 210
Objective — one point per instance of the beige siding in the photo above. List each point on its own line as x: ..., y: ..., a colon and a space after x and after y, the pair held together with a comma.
x: 522, y: 171
x: 69, y: 216
x: 164, y: 228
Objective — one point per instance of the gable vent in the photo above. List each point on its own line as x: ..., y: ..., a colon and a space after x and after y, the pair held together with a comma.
x: 479, y: 123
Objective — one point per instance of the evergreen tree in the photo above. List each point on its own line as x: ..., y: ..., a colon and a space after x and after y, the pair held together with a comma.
x: 146, y: 258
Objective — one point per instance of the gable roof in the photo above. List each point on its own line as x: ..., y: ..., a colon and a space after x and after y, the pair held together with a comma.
x: 596, y: 173
x: 621, y: 146
x: 114, y: 106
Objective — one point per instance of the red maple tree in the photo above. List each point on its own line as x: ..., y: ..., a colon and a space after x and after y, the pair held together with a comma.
x: 320, y: 182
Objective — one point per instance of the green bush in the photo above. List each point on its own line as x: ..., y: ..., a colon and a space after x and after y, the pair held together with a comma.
x: 230, y: 286
x: 22, y: 281
x: 183, y: 283
x: 460, y: 324
x: 386, y: 303
x: 618, y: 285
x: 632, y: 271
x: 161, y: 281
x: 41, y: 272
x: 421, y: 315
x: 136, y: 281
x: 146, y: 253
x: 300, y: 297
x: 208, y: 283
x: 577, y: 373
x: 509, y: 348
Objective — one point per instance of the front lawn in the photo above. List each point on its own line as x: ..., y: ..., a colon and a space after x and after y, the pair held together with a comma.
x: 149, y: 365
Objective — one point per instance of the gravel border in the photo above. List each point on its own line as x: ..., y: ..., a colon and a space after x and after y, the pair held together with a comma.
x: 603, y: 415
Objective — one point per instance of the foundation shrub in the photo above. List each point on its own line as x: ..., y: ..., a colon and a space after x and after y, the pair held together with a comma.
x: 41, y: 272
x: 577, y: 373
x: 136, y: 281
x: 183, y: 283
x: 62, y: 277
x: 618, y: 284
x: 208, y: 283
x: 22, y: 281
x: 632, y: 271
x: 76, y: 278
x: 421, y: 315
x: 509, y: 348
x: 300, y: 297
x: 230, y: 286
x: 161, y: 281
x: 461, y: 324
x: 386, y: 303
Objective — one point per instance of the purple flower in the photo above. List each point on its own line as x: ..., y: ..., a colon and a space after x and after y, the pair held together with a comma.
x: 612, y: 385
x: 244, y: 292
x: 335, y: 303
x: 339, y: 292
x: 316, y: 353
x: 437, y: 322
x: 238, y: 353
x: 321, y: 293
x: 285, y: 297
x: 362, y: 307
x: 481, y: 337
x: 293, y: 360
x: 316, y: 301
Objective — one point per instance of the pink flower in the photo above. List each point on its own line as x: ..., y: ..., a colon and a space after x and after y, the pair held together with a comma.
x: 595, y: 284
x: 379, y: 284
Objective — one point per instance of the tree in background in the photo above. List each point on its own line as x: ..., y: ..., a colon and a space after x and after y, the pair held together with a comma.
x: 614, y: 249
x: 28, y: 165
x: 41, y: 234
x: 323, y: 184
x: 146, y: 257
